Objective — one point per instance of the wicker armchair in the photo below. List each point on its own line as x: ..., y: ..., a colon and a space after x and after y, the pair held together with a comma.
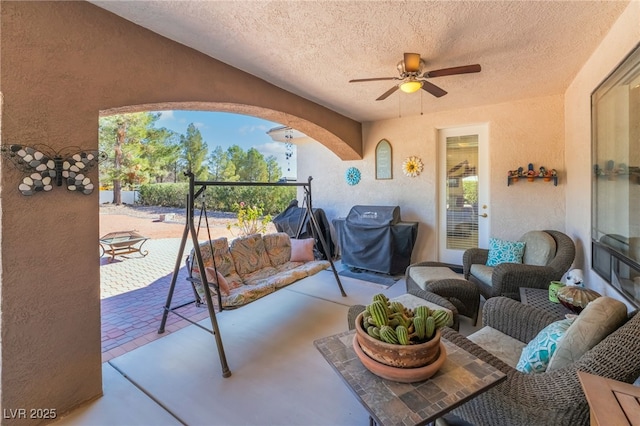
x: 550, y: 398
x: 506, y: 279
x: 428, y: 296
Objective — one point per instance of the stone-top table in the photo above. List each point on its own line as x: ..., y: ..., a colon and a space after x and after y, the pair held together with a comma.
x: 461, y: 377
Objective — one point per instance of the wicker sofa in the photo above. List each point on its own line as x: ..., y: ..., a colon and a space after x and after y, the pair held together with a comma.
x: 552, y: 397
x: 252, y: 266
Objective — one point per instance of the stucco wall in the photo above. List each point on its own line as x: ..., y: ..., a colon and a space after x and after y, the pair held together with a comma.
x: 621, y: 39
x: 527, y: 131
x: 62, y: 64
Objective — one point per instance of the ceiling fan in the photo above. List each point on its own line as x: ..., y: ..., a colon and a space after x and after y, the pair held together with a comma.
x: 413, y: 79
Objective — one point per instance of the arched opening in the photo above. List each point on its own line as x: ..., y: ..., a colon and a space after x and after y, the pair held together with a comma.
x: 134, y: 281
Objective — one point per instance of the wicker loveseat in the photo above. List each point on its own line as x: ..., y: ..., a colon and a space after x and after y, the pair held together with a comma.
x: 547, y: 256
x: 552, y: 397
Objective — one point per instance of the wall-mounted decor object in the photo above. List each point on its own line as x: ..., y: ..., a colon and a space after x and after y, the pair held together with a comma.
x: 615, y: 182
x: 613, y: 171
x: 45, y: 167
x: 412, y: 166
x: 384, y: 160
x: 531, y: 174
x: 353, y: 176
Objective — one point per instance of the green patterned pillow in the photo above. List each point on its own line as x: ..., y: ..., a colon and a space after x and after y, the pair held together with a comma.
x: 501, y: 251
x: 536, y: 355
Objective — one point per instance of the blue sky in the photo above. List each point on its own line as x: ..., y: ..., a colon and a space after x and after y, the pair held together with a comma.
x: 226, y: 129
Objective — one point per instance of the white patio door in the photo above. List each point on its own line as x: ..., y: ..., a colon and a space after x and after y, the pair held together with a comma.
x: 463, y: 195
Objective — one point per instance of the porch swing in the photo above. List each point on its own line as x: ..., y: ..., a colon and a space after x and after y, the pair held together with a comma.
x: 190, y: 230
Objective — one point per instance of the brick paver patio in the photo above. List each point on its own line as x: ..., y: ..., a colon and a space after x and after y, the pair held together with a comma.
x: 133, y: 288
x: 133, y: 292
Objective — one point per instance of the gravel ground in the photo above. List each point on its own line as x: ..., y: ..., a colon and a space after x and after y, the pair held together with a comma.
x: 146, y: 220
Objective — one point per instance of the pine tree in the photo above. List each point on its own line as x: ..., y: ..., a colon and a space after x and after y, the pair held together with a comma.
x: 194, y: 152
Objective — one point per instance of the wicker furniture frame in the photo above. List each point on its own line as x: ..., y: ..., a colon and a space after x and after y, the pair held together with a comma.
x: 463, y: 294
x: 507, y: 278
x: 550, y: 398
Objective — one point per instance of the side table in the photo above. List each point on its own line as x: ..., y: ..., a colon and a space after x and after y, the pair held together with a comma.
x: 539, y: 298
x: 611, y: 402
x: 462, y: 377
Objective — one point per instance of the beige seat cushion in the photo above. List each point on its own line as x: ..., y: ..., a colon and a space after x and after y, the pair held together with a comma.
x: 540, y: 248
x: 599, y: 319
x: 504, y: 347
x: 410, y: 301
x: 482, y: 273
x: 424, y: 275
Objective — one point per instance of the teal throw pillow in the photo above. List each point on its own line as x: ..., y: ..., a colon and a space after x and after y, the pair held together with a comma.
x: 501, y: 251
x: 536, y: 355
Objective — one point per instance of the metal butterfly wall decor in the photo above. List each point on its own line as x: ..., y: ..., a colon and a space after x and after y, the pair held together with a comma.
x: 45, y: 167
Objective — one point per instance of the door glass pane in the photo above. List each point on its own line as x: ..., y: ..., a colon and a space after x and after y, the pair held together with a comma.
x: 461, y: 188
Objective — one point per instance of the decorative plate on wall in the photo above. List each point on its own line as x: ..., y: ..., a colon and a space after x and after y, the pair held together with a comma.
x: 412, y: 166
x: 353, y: 176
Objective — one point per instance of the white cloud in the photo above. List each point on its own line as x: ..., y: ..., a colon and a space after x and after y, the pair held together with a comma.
x: 166, y: 116
x: 199, y: 125
x: 271, y: 148
x: 252, y: 129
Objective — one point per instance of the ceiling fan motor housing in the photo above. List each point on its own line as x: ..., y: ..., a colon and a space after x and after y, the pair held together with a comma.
x: 411, y: 66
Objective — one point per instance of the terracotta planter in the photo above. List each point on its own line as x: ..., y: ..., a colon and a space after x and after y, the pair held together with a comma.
x: 402, y: 356
x: 403, y: 375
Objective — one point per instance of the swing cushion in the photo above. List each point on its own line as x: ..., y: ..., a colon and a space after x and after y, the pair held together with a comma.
x: 223, y: 261
x: 252, y: 267
x: 302, y: 250
x: 278, y: 248
x: 250, y: 255
x: 246, y: 294
x: 217, y: 278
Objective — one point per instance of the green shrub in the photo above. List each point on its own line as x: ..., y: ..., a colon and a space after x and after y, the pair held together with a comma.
x: 164, y: 194
x: 273, y: 199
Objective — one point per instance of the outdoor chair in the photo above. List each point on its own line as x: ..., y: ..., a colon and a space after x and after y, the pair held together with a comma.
x: 551, y: 397
x: 547, y: 256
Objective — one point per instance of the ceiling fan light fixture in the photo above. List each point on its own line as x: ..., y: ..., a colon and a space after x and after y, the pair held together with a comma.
x: 411, y: 86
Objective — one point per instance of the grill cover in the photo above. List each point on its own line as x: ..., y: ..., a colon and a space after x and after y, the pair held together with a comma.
x: 374, y: 238
x: 289, y: 220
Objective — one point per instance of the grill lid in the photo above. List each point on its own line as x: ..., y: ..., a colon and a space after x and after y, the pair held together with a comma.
x: 373, y: 216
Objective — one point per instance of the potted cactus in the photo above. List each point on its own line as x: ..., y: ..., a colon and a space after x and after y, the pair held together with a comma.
x: 397, y: 337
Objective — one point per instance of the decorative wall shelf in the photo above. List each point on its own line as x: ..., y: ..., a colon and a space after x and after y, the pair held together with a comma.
x: 514, y: 179
x: 531, y: 175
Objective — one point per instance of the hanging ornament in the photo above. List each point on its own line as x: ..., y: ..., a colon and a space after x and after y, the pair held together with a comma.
x: 412, y: 166
x: 288, y: 136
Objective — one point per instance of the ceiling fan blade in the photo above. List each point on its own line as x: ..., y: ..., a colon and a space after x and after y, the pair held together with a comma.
x: 465, y: 69
x: 433, y: 89
x: 386, y: 94
x: 412, y: 62
x: 359, y: 80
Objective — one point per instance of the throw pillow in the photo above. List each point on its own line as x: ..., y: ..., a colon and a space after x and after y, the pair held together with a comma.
x: 501, y: 251
x: 223, y: 285
x: 302, y: 250
x: 536, y: 355
x: 600, y: 318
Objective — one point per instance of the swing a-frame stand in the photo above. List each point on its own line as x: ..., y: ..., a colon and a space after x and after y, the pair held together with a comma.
x: 190, y: 231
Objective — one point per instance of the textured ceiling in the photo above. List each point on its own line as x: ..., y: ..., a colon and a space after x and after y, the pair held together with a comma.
x: 313, y: 48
